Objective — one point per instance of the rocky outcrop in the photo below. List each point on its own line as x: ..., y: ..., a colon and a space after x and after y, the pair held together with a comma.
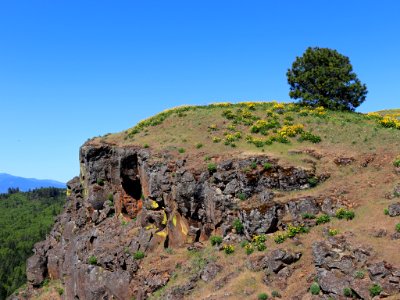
x: 277, y: 266
x: 127, y: 201
x: 340, y: 265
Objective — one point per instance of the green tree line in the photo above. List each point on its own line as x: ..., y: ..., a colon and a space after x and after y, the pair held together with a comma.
x: 25, y: 218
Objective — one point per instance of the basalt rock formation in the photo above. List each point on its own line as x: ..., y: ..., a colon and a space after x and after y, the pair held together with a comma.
x: 126, y: 201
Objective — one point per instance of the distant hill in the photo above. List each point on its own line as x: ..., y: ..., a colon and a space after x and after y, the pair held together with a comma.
x: 25, y: 184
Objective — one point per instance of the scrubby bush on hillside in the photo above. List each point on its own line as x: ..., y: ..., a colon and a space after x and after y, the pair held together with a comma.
x: 215, y: 240
x: 238, y: 226
x: 315, y: 289
x: 396, y: 162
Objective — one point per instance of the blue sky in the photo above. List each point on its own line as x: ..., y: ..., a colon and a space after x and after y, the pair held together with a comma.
x: 70, y: 70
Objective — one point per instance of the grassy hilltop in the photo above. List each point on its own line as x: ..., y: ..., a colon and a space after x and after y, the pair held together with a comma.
x: 223, y: 129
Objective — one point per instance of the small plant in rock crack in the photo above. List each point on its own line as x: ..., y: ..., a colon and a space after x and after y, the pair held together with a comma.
x: 347, y: 292
x: 238, y: 226
x: 375, y: 290
x: 242, y: 196
x: 215, y: 240
x: 315, y: 289
x: 313, y: 181
x: 92, y: 260
x: 360, y: 274
x: 138, y: 255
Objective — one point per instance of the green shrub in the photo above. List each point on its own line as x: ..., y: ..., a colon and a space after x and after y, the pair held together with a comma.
x: 146, y: 146
x: 45, y: 282
x: 216, y: 240
x: 308, y: 216
x: 314, y: 288
x: 242, y: 196
x: 110, y: 197
x: 267, y: 166
x: 375, y: 290
x: 396, y: 162
x: 275, y: 294
x: 212, y: 167
x: 60, y: 291
x: 92, y: 260
x: 343, y: 213
x: 138, y: 255
x: 253, y: 165
x: 181, y: 150
x: 261, y: 246
x: 386, y: 211
x: 279, y: 238
x: 360, y: 274
x: 262, y: 296
x: 323, y: 219
x: 244, y: 243
x: 398, y: 227
x: 199, y: 145
x: 249, y: 248
x: 313, y: 181
x: 229, y: 249
x: 333, y: 232
x: 238, y: 226
x: 100, y: 181
x: 308, y: 136
x: 347, y: 292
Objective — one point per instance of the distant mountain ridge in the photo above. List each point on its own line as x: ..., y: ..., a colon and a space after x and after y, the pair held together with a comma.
x: 25, y: 184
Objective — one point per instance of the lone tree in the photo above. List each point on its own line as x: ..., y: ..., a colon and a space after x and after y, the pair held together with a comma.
x: 324, y: 77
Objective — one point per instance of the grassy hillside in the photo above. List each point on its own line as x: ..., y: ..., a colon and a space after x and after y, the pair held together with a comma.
x: 259, y: 127
x: 25, y: 218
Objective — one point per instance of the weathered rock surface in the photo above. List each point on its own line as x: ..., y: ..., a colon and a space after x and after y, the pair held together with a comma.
x: 394, y: 209
x: 337, y: 262
x: 275, y: 265
x: 127, y: 201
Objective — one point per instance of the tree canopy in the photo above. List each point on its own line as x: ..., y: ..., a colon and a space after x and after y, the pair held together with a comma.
x: 324, y: 77
x: 25, y: 218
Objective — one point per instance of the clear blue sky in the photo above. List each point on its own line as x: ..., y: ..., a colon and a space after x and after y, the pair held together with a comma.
x: 70, y: 70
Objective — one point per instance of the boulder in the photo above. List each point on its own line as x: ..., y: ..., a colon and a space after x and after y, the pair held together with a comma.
x: 394, y: 209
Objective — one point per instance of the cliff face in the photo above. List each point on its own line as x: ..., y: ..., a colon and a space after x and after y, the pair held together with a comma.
x: 125, y: 201
x: 129, y: 202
